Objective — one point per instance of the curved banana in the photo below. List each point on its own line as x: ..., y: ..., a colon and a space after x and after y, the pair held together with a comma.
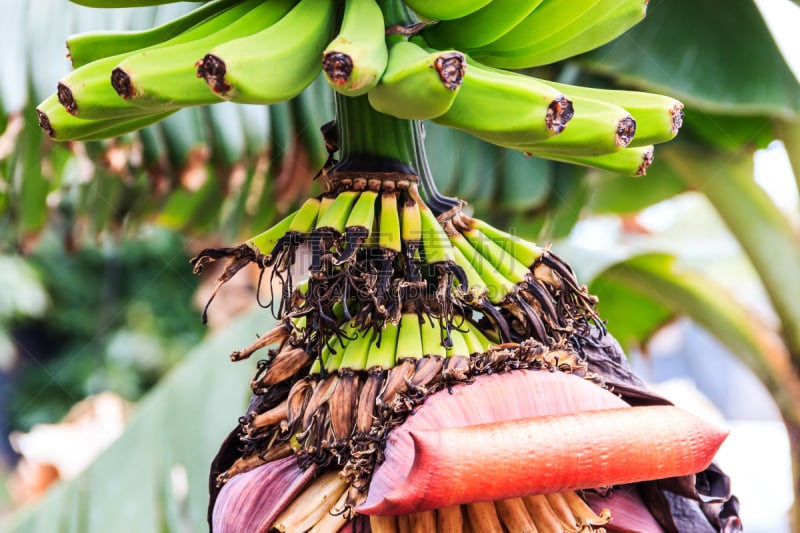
x: 546, y: 20
x: 87, y: 92
x: 86, y: 47
x: 275, y: 64
x: 594, y: 28
x: 628, y: 161
x: 60, y: 125
x: 481, y: 27
x: 658, y: 117
x: 597, y: 128
x: 167, y: 76
x: 445, y: 9
x: 506, y: 108
x: 355, y: 60
x: 418, y: 84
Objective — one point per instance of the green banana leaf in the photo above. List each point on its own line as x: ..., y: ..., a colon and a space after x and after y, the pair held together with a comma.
x: 765, y: 233
x: 640, y: 294
x: 154, y: 478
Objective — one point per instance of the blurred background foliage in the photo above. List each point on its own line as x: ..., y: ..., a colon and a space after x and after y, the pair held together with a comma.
x: 97, y: 294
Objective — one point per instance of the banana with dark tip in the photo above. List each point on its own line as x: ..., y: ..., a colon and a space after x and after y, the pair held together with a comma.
x: 86, y: 91
x: 523, y: 110
x: 355, y: 60
x: 166, y: 76
x: 658, y: 117
x: 631, y: 162
x: 275, y: 64
x: 86, y: 47
x: 418, y: 84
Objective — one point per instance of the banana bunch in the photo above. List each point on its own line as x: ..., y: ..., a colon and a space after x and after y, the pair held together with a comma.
x: 268, y: 51
x: 251, y: 51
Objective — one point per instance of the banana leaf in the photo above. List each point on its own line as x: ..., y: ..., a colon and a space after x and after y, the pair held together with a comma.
x: 154, y: 478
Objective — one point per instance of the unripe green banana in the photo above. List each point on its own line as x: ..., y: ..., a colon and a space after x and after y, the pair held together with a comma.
x: 86, y: 91
x: 597, y: 128
x: 384, y: 355
x: 166, y: 76
x: 435, y: 244
x: 358, y: 227
x: 432, y: 338
x: 305, y: 217
x: 658, y: 117
x: 355, y: 60
x: 418, y: 84
x: 335, y: 217
x: 62, y: 126
x: 389, y: 226
x: 548, y: 19
x: 476, y: 287
x: 498, y: 287
x: 265, y: 241
x: 445, y: 9
x: 523, y: 110
x: 504, y: 262
x: 409, y: 340
x: 459, y: 347
x: 606, y: 21
x: 275, y: 64
x: 86, y: 47
x: 411, y: 223
x: 481, y: 27
x: 525, y: 252
x: 628, y: 161
x: 356, y: 352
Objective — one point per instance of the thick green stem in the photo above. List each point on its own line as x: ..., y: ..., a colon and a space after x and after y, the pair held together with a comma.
x: 367, y: 137
x: 370, y: 141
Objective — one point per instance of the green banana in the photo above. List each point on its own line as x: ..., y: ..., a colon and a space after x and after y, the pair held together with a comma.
x: 409, y: 340
x: 418, y: 84
x: 548, y: 19
x: 86, y: 91
x: 628, y: 161
x: 166, y: 76
x: 498, y: 287
x: 504, y: 262
x: 435, y: 243
x: 86, y: 47
x: 356, y: 352
x: 411, y: 223
x: 608, y: 20
x: 483, y: 26
x: 597, y: 128
x: 525, y: 252
x: 476, y: 288
x: 358, y: 227
x: 335, y: 216
x: 303, y: 221
x: 658, y: 118
x: 62, y: 126
x: 266, y: 241
x: 275, y: 64
x: 431, y: 335
x: 355, y: 60
x: 460, y: 346
x: 523, y: 110
x: 384, y: 355
x: 389, y: 224
x: 445, y: 10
